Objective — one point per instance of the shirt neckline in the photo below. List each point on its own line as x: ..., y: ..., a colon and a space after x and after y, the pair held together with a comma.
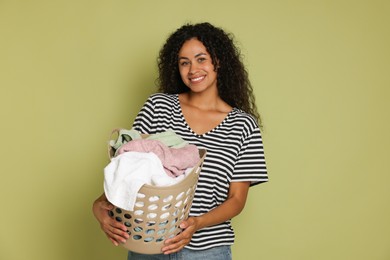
x: 208, y: 132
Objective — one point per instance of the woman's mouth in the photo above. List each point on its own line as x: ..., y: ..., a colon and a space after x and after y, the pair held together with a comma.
x: 197, y: 79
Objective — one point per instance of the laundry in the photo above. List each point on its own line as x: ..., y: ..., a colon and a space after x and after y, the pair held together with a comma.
x: 168, y: 137
x: 128, y: 172
x: 124, y: 136
x: 161, y: 159
x: 174, y: 160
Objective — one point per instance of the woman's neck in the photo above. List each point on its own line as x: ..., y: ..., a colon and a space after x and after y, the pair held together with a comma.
x: 205, y: 101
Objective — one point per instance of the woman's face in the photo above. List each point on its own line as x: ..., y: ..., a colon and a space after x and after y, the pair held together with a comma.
x: 196, y: 67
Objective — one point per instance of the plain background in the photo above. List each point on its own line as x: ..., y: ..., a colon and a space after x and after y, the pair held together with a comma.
x: 70, y: 71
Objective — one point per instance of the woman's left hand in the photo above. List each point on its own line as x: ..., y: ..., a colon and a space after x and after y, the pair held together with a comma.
x: 230, y: 208
x: 178, y: 242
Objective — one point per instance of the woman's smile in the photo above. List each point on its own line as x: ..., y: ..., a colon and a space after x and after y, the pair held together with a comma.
x: 197, y: 79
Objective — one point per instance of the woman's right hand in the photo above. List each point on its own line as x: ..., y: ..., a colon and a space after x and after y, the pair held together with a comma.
x: 114, y: 230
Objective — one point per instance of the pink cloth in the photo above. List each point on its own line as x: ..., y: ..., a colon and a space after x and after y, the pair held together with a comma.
x: 174, y: 160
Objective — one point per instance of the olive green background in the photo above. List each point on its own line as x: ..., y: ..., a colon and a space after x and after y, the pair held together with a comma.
x: 70, y: 71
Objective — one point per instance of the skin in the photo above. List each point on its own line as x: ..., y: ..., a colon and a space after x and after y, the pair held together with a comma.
x: 202, y: 107
x: 203, y: 110
x: 115, y: 231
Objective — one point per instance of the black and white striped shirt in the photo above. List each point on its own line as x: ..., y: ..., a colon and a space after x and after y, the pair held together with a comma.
x: 234, y: 154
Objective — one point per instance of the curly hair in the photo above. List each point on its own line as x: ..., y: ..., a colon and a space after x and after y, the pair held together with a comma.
x: 233, y: 83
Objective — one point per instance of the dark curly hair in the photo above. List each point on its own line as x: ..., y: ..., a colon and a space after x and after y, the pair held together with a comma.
x: 233, y: 83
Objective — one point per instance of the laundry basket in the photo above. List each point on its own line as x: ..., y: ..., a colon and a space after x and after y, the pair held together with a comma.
x: 158, y: 212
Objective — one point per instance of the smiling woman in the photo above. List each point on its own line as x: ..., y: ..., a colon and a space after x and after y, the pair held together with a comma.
x: 207, y: 99
x: 199, y: 75
x: 196, y: 68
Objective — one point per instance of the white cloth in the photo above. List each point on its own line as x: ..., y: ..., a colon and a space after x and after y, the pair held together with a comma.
x: 126, y: 173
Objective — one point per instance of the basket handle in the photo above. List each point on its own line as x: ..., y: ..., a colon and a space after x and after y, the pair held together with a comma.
x: 110, y: 150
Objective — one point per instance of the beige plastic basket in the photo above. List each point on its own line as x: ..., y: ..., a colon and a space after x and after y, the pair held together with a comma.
x: 158, y: 212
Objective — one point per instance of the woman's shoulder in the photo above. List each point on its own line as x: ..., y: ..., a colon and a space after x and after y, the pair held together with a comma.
x: 242, y: 117
x: 162, y: 97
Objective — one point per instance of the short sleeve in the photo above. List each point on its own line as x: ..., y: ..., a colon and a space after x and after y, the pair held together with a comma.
x: 250, y: 165
x: 143, y: 122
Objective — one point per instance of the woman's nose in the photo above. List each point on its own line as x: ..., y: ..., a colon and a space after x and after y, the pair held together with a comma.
x: 193, y: 68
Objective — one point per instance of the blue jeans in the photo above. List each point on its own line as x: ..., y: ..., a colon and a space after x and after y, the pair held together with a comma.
x: 215, y: 253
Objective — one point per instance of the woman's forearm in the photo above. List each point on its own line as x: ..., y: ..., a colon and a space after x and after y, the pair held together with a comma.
x: 233, y: 206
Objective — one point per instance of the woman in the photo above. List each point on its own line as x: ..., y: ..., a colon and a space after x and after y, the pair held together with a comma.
x: 206, y: 98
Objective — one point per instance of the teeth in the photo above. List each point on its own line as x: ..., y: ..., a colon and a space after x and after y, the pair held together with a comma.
x: 197, y: 79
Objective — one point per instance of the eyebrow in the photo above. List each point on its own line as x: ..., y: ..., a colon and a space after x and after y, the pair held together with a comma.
x: 196, y: 56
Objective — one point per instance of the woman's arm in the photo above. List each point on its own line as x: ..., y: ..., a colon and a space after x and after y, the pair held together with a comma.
x: 114, y: 230
x: 232, y: 206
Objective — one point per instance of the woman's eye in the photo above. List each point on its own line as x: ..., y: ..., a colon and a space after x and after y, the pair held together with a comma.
x: 184, y: 63
x: 201, y: 60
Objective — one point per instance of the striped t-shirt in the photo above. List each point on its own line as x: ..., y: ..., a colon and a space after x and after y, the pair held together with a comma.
x: 234, y: 154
